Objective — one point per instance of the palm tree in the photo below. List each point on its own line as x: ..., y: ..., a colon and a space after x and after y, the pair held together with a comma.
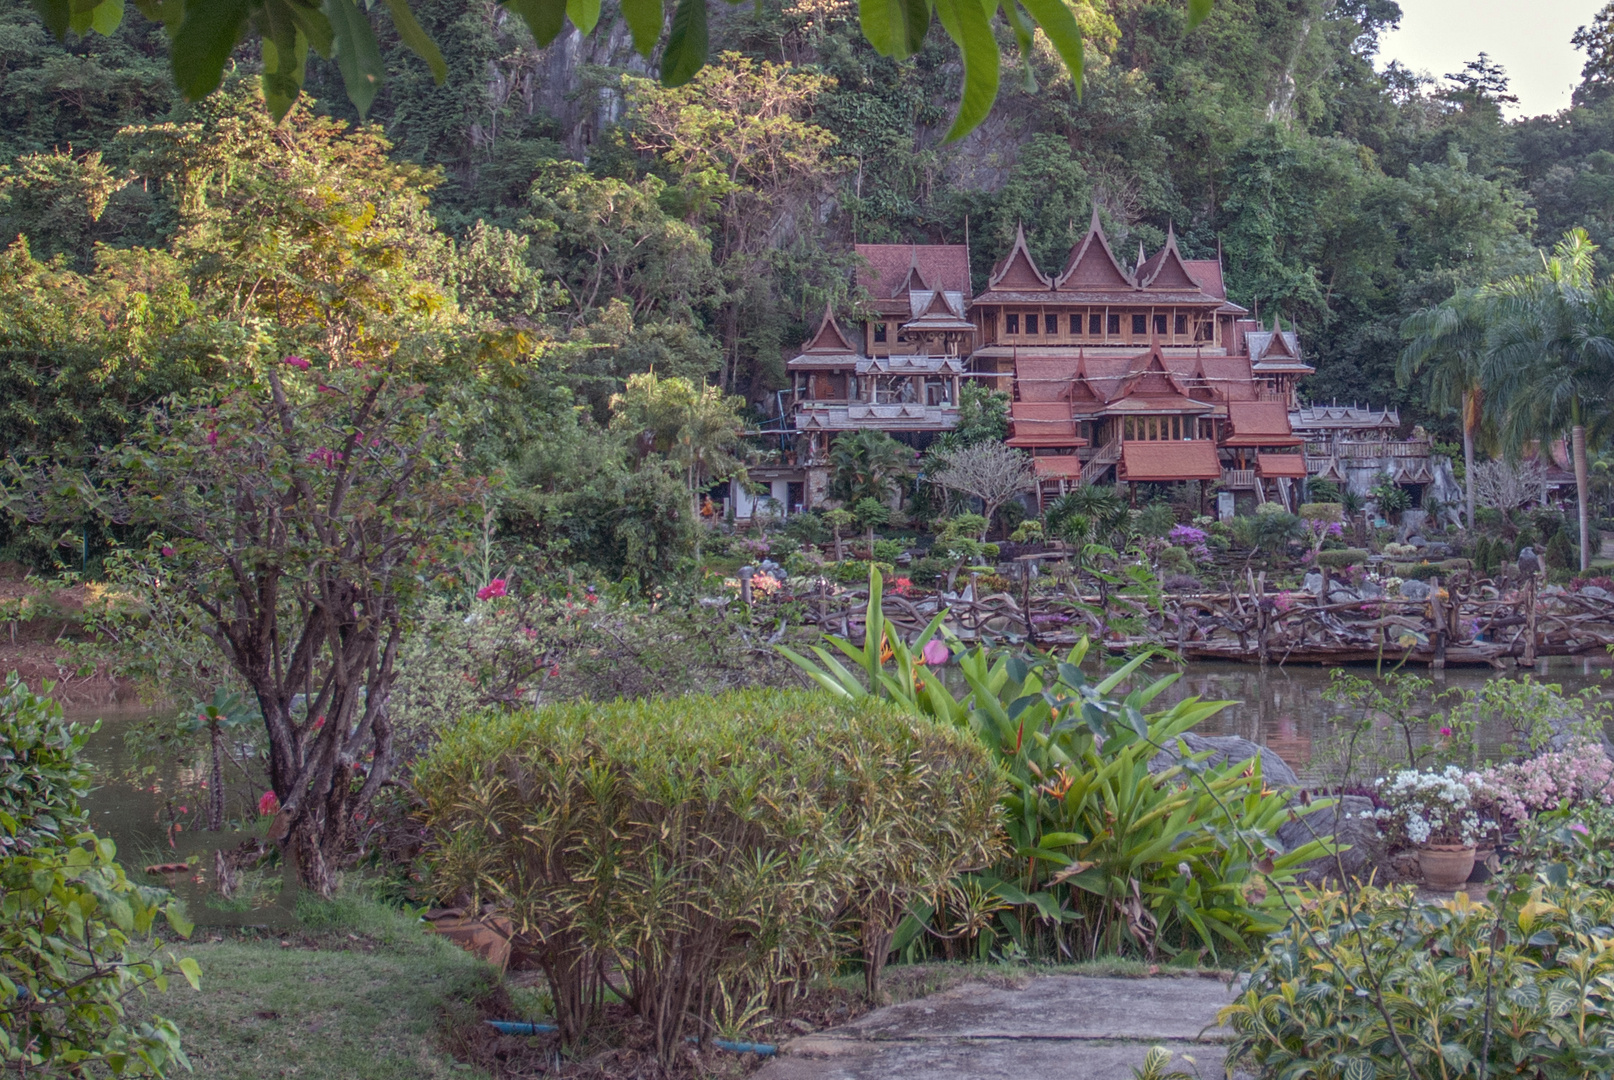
x: 867, y: 465
x: 1447, y: 344
x: 1551, y: 360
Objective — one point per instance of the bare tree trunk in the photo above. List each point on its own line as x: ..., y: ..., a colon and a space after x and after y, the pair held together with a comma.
x: 1468, y: 474
x: 1577, y: 444
x: 215, y: 793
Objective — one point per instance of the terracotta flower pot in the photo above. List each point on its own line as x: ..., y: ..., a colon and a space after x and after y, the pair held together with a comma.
x: 1446, y: 866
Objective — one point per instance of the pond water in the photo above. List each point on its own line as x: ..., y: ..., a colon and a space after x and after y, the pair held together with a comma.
x: 1282, y: 708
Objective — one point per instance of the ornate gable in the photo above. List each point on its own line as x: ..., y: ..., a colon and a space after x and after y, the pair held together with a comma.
x: 1166, y: 269
x: 914, y: 281
x: 1277, y: 346
x: 829, y: 340
x: 1092, y: 265
x: 1018, y: 271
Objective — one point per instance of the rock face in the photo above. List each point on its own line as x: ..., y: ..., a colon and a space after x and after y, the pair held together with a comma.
x: 1224, y: 748
x: 1343, y: 821
x: 1414, y: 590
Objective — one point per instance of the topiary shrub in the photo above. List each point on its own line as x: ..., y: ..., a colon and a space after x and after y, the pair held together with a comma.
x: 702, y: 849
x: 1561, y: 553
x: 1338, y: 557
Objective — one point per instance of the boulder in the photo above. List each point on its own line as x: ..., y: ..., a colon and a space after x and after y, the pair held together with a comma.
x: 1414, y: 590
x: 1417, y: 541
x: 1592, y: 592
x: 1224, y: 748
x: 1350, y: 821
x: 1314, y: 584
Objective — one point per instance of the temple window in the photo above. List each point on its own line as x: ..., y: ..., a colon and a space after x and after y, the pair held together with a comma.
x: 1160, y: 324
x: 1115, y: 326
x: 1140, y: 325
x: 1182, y: 326
x: 879, y: 331
x: 1095, y: 325
x: 1031, y: 323
x: 1050, y: 324
x: 1011, y: 323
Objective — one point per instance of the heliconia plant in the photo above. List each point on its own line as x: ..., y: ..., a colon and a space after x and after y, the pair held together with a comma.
x: 1104, y: 847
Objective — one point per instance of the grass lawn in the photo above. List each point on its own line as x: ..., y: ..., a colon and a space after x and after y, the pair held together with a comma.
x: 361, y: 992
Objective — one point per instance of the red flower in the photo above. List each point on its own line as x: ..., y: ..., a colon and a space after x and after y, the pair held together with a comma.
x: 168, y: 552
x: 268, y: 804
x: 297, y: 362
x: 491, y: 589
x: 212, y: 438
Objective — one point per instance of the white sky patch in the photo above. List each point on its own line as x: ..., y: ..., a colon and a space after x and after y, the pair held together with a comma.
x: 1530, y: 39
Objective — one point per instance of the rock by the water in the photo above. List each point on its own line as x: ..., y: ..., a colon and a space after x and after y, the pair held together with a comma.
x: 1342, y: 594
x: 1345, y: 821
x: 1592, y: 592
x: 1314, y: 583
x: 1415, y: 590
x: 1224, y: 748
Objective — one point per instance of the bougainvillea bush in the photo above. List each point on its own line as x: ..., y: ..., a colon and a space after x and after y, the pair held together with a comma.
x: 1579, y: 773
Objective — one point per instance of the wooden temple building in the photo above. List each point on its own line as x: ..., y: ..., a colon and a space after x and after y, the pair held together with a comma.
x: 1117, y: 373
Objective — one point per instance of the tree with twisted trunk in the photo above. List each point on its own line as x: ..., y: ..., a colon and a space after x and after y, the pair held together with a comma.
x: 299, y: 516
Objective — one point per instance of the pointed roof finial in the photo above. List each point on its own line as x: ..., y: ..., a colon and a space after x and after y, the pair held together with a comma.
x: 1141, y: 258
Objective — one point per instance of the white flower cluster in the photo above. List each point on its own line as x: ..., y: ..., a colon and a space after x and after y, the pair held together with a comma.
x: 1432, y: 806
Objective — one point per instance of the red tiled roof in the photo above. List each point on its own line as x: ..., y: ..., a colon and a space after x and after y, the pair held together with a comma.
x: 943, y: 266
x: 1190, y: 459
x: 1271, y: 466
x: 1044, y: 423
x: 1208, y: 272
x: 1259, y: 423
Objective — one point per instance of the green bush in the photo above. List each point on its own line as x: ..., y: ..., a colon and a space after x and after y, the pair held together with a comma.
x: 1312, y: 1007
x: 1420, y: 571
x: 1338, y: 557
x: 702, y: 849
x: 1561, y: 553
x: 929, y: 570
x: 40, y: 770
x: 1155, y: 520
x: 887, y: 551
x: 75, y: 933
x: 856, y: 571
x: 808, y: 528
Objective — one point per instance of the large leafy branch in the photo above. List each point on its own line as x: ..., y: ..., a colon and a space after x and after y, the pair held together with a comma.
x: 205, y: 33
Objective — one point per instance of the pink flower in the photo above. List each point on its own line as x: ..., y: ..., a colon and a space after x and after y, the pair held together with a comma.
x: 168, y: 552
x: 297, y: 362
x: 491, y: 589
x: 268, y: 804
x: 935, y: 653
x: 212, y: 438
x: 1579, y: 828
x: 1445, y: 731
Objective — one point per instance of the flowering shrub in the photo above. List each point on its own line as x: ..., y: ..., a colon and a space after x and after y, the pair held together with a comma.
x: 492, y: 590
x: 1193, y: 539
x: 1579, y: 773
x: 1432, y: 807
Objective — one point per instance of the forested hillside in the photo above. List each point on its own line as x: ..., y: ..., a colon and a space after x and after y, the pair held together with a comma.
x: 696, y: 230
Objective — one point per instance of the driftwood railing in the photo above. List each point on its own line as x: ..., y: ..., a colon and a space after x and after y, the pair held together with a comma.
x: 1467, y: 621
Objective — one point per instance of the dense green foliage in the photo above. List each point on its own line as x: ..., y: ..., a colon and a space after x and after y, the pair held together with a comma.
x: 698, y: 855
x: 1106, y: 854
x: 76, y: 935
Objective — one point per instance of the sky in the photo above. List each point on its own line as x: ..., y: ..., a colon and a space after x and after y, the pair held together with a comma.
x: 1529, y: 38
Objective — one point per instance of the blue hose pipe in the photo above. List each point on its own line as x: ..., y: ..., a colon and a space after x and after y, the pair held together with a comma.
x: 523, y: 1027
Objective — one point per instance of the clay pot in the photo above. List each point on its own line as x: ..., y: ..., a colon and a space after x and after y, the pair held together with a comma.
x: 1445, y: 866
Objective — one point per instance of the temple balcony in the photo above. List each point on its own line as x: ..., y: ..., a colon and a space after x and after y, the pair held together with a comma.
x: 863, y: 415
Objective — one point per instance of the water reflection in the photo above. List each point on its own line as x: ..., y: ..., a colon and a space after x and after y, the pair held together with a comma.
x: 1284, y: 708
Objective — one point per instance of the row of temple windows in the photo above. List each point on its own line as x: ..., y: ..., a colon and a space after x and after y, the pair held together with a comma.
x: 1163, y: 428
x: 1098, y: 324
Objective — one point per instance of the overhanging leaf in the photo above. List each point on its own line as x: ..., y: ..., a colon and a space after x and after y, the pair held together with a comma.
x: 1198, y: 12
x: 544, y: 18
x: 686, y: 43
x: 896, y: 28
x: 106, y: 17
x: 357, y: 55
x: 1063, y: 34
x: 644, y: 23
x: 203, y: 44
x: 412, y: 34
x: 56, y: 15
x: 584, y: 14
x: 285, y: 52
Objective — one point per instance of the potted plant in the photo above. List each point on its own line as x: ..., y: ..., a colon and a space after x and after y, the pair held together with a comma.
x: 1437, y: 814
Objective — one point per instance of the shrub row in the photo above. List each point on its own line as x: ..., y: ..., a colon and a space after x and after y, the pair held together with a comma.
x: 702, y: 852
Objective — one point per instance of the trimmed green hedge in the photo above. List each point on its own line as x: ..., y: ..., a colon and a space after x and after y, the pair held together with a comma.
x: 1342, y: 557
x: 699, y: 853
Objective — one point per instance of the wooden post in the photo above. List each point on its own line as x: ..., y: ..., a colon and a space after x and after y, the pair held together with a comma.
x: 1182, y: 631
x: 1437, y: 609
x: 823, y: 601
x: 1263, y: 618
x: 1031, y: 627
x: 1529, y: 659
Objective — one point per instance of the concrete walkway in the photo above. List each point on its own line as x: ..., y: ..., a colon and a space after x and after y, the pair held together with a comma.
x: 1058, y: 1026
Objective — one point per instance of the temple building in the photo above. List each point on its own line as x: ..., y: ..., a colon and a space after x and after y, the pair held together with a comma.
x: 1117, y: 373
